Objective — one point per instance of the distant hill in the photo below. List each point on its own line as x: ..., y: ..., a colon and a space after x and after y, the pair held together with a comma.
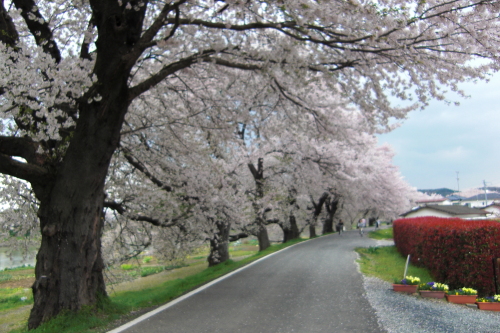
x: 493, y: 188
x: 446, y: 191
x: 441, y: 191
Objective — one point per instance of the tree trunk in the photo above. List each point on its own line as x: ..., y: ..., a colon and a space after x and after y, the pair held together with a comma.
x: 263, y: 238
x: 291, y: 231
x: 317, y: 208
x: 68, y: 272
x: 258, y: 176
x: 69, y: 263
x: 312, y: 231
x: 331, y: 206
x: 219, y: 244
x: 328, y: 224
x: 371, y: 221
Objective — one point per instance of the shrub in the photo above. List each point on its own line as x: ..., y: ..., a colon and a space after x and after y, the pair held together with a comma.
x: 127, y: 267
x: 147, y: 259
x: 145, y: 271
x: 457, y: 252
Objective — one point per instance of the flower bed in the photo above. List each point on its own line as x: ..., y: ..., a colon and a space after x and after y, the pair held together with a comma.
x: 407, y: 285
x: 433, y: 289
x: 491, y: 303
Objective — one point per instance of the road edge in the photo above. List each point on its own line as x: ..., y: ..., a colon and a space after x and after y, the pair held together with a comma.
x: 195, y: 291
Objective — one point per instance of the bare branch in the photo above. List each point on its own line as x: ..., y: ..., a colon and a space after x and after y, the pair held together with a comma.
x: 29, y: 172
x: 39, y: 27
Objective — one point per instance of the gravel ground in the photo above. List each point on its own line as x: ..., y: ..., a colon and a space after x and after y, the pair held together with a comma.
x: 401, y: 313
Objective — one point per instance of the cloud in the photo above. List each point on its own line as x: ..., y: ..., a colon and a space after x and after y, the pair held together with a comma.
x: 431, y: 145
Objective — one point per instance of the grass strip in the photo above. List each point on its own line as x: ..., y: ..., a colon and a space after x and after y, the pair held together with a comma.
x: 386, y: 263
x: 11, y: 298
x: 381, y: 234
x: 118, y: 307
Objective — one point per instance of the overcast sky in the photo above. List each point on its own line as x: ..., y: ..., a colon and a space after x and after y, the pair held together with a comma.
x: 433, y: 144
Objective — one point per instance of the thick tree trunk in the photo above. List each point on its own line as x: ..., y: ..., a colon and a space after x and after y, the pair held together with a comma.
x: 258, y: 175
x: 290, y: 231
x: 263, y: 238
x: 328, y: 224
x: 69, y: 264
x: 219, y: 244
x: 331, y: 206
x: 317, y: 208
x: 312, y: 230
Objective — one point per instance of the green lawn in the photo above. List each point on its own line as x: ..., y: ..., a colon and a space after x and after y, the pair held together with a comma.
x: 385, y: 262
x: 381, y: 234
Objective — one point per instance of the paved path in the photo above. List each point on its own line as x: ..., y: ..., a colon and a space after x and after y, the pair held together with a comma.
x: 311, y: 287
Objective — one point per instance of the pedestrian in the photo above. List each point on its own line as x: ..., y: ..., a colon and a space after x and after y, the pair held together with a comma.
x: 340, y: 226
x: 361, y: 226
x: 377, y: 224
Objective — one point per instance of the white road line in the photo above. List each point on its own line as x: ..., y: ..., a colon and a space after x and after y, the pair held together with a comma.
x: 191, y: 293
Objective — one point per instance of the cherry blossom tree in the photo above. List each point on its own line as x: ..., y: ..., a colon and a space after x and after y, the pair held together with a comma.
x: 73, y: 70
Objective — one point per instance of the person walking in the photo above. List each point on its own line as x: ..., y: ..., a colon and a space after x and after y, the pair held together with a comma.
x: 361, y: 226
x: 340, y: 226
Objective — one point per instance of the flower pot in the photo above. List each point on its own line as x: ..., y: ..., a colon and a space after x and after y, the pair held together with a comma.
x: 405, y: 288
x: 461, y: 299
x: 489, y: 306
x: 432, y: 293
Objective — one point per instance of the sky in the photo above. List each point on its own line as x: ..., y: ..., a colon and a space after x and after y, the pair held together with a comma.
x: 433, y: 144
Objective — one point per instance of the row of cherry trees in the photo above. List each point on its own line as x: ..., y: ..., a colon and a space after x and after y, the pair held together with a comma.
x: 89, y: 88
x: 201, y: 189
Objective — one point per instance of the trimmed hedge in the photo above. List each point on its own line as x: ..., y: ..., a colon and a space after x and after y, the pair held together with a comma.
x: 457, y: 252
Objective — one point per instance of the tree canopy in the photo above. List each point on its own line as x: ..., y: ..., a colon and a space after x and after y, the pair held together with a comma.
x: 84, y: 78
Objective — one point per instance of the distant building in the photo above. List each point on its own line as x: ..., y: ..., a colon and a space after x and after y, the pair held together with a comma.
x: 493, y: 210
x: 455, y: 199
x: 462, y: 212
x: 482, y: 200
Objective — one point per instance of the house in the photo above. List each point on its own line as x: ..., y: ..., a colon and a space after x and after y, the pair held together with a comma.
x: 455, y: 199
x: 462, y: 212
x: 482, y: 200
x: 493, y: 210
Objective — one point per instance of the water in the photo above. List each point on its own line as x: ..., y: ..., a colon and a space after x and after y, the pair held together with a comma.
x: 15, y: 258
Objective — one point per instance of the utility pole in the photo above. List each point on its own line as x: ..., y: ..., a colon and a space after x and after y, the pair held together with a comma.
x: 485, y: 194
x: 458, y: 182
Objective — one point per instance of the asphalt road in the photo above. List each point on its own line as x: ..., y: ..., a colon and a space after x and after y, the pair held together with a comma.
x: 310, y: 287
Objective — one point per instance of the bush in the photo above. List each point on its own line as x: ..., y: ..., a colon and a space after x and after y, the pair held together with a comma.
x: 145, y: 271
x: 127, y: 267
x: 147, y: 259
x: 456, y: 252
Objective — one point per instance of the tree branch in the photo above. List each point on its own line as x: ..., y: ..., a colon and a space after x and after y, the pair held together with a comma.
x: 38, y: 27
x: 142, y: 168
x: 29, y: 172
x: 22, y: 147
x: 166, y: 71
x: 121, y: 209
x: 8, y: 35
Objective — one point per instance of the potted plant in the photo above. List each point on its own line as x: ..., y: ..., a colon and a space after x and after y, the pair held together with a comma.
x: 462, y: 296
x: 407, y: 285
x: 489, y: 303
x: 433, y: 289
